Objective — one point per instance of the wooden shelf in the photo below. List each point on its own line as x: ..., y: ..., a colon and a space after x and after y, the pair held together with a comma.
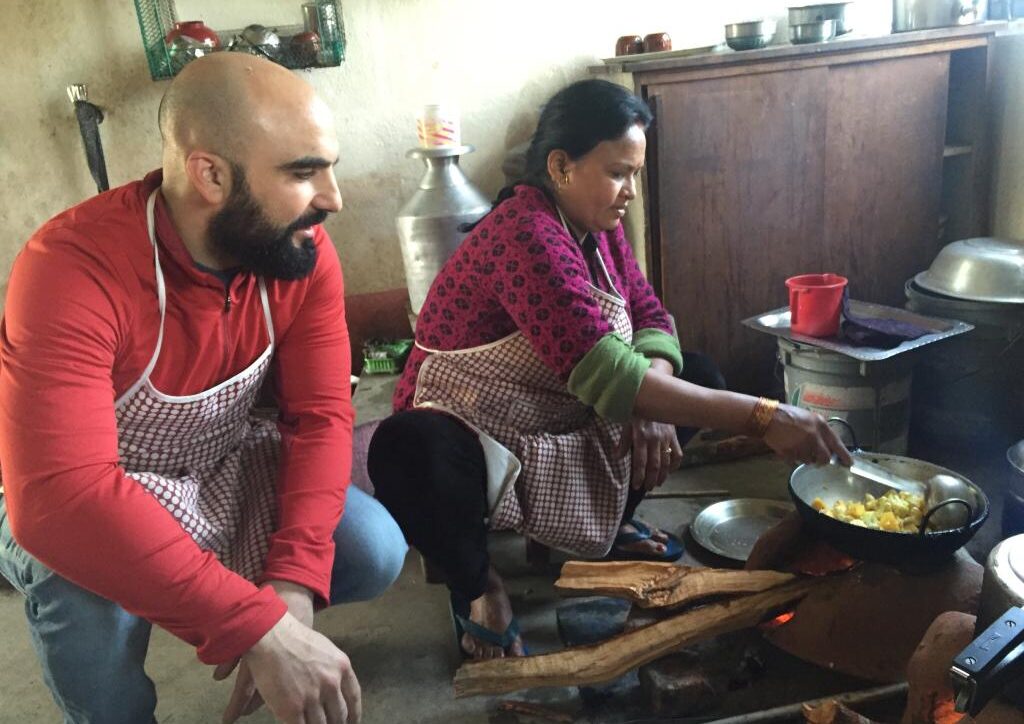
x: 953, y: 150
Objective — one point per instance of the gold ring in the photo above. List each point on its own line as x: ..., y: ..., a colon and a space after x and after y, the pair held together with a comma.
x: 667, y: 451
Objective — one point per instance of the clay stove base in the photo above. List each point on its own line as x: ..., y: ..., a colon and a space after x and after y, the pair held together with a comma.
x: 868, y: 622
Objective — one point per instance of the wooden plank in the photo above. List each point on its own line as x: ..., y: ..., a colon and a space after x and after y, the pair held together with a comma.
x: 670, y: 74
x: 741, y: 163
x: 660, y: 585
x: 844, y: 46
x: 883, y: 171
x: 612, y: 658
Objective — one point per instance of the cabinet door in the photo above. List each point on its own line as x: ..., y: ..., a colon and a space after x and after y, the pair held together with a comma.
x: 739, y: 206
x: 883, y: 187
x: 816, y: 169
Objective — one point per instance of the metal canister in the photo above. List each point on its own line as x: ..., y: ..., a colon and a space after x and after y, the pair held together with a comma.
x: 428, y: 224
x: 922, y: 14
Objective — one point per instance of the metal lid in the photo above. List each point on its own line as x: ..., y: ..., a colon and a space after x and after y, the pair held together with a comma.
x: 980, y: 269
x: 1004, y: 576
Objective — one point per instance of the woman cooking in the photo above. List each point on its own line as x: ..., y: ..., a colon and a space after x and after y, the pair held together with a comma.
x: 546, y: 385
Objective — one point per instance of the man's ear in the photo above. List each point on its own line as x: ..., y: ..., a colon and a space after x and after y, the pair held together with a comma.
x: 210, y: 176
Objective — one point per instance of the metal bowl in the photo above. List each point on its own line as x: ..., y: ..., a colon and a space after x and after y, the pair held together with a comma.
x: 980, y: 270
x: 751, y: 28
x: 748, y: 42
x: 834, y: 482
x: 257, y: 40
x: 816, y: 32
x: 803, y: 14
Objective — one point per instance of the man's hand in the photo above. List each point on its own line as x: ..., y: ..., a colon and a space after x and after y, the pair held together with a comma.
x: 302, y: 676
x: 245, y: 698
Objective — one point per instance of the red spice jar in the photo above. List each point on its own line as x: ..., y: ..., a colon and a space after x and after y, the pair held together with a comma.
x: 657, y: 42
x: 629, y: 45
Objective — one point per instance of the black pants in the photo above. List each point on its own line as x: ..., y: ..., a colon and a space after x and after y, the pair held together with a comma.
x: 428, y: 470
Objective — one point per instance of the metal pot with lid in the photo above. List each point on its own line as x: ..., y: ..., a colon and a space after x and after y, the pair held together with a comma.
x: 994, y: 662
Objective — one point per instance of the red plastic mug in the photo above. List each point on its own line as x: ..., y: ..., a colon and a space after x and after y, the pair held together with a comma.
x: 815, y: 301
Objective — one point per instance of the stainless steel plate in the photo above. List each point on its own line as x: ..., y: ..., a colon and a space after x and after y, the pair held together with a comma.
x: 776, y: 322
x: 730, y: 528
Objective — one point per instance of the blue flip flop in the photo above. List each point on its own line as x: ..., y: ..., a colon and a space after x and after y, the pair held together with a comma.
x: 463, y: 625
x: 673, y: 546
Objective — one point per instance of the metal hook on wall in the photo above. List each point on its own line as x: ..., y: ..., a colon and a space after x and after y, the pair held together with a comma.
x: 89, y: 119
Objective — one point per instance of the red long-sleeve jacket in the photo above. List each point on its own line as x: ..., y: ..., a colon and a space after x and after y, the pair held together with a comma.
x: 80, y: 325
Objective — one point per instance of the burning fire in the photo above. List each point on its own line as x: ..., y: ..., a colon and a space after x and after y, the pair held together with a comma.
x: 821, y: 559
x: 780, y: 620
x: 944, y: 712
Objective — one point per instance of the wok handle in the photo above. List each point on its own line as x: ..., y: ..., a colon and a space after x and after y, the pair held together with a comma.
x: 848, y: 426
x: 928, y: 516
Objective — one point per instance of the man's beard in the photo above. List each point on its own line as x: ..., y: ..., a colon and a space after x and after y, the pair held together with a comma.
x: 242, y: 231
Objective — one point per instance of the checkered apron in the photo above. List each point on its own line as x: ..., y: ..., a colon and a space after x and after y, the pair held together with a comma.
x: 572, y: 489
x: 204, y: 457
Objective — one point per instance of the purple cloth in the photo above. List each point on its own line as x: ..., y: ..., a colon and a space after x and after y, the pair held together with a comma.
x: 880, y: 333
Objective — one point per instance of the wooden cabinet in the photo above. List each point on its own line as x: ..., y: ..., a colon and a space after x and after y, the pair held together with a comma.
x: 840, y: 159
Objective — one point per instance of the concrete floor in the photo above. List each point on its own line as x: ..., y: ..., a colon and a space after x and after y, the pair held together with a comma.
x: 402, y: 645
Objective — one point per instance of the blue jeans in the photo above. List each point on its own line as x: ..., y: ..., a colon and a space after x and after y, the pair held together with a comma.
x: 92, y: 651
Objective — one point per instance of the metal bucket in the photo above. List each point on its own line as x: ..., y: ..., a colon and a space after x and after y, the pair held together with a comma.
x: 968, y: 390
x: 1013, y: 498
x: 873, y: 397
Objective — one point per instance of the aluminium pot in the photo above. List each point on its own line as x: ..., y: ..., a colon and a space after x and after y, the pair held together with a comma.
x: 808, y: 14
x: 921, y: 14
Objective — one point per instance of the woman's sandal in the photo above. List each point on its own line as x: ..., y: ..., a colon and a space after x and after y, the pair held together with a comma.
x: 463, y: 625
x: 673, y: 546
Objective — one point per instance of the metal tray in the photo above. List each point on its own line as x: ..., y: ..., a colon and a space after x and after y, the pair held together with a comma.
x: 730, y: 528
x: 776, y: 322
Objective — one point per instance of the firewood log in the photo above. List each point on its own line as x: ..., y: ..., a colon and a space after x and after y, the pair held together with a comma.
x: 614, y: 657
x: 659, y: 585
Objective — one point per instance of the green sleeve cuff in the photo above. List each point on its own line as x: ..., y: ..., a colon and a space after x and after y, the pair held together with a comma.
x: 656, y: 343
x: 608, y: 378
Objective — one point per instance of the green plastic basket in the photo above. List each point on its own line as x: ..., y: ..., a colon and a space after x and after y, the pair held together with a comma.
x: 383, y: 357
x: 157, y: 18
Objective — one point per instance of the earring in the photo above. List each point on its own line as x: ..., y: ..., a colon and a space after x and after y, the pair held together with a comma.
x: 565, y: 178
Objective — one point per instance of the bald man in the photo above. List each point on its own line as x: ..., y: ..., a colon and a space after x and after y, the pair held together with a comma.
x: 139, y: 488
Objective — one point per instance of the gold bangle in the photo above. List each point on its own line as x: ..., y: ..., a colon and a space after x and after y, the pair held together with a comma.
x: 761, y: 416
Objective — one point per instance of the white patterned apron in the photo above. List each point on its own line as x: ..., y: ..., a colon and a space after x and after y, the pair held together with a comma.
x: 554, y: 473
x: 204, y: 457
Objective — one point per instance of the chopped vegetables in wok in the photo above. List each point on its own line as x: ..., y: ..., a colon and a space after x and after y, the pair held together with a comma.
x: 894, y: 512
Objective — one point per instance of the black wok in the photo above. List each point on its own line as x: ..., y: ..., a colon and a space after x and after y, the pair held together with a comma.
x: 832, y: 483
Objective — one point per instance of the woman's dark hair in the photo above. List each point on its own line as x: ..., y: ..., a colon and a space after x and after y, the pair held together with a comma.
x: 575, y: 120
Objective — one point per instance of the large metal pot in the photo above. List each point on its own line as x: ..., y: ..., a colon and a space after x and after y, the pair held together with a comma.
x: 1013, y: 498
x: 429, y: 223
x: 807, y: 14
x: 921, y: 14
x: 832, y: 483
